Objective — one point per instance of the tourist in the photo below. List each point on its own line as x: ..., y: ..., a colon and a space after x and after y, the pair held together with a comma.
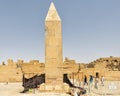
x: 96, y: 82
x: 90, y: 83
x: 85, y: 80
x: 102, y: 80
x: 91, y: 79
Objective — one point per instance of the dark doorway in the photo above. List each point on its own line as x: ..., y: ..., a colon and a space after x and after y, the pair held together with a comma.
x: 97, y: 74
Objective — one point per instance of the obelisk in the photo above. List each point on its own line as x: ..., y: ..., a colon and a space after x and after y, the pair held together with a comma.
x: 53, y: 47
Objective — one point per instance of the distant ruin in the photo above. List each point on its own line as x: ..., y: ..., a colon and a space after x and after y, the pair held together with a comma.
x: 12, y: 70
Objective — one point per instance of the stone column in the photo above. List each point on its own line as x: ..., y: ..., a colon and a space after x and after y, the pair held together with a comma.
x: 53, y: 47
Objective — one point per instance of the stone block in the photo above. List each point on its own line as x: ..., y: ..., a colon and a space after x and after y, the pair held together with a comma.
x: 66, y: 87
x: 58, y: 87
x: 42, y: 87
x: 49, y: 87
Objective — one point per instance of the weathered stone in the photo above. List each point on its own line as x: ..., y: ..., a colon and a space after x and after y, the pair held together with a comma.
x: 53, y: 46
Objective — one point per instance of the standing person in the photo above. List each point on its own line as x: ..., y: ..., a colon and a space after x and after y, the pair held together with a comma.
x: 91, y: 79
x: 85, y: 80
x: 102, y: 80
x: 90, y: 83
x: 96, y: 82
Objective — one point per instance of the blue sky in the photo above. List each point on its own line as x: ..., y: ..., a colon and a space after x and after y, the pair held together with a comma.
x: 90, y: 29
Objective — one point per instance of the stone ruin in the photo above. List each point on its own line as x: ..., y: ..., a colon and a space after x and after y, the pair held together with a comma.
x: 110, y: 63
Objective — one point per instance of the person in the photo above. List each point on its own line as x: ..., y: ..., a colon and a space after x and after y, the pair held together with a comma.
x: 85, y: 80
x: 91, y: 79
x: 102, y: 80
x: 90, y: 83
x: 96, y: 82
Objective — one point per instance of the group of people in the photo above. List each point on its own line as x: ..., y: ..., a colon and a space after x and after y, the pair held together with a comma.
x: 92, y: 81
x: 96, y: 81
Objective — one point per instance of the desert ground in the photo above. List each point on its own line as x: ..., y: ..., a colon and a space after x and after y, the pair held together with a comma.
x: 14, y: 89
x: 110, y: 88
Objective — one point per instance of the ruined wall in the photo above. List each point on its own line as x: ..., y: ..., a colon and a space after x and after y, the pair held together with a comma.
x: 110, y: 63
x: 10, y: 73
x: 13, y: 71
x: 112, y: 75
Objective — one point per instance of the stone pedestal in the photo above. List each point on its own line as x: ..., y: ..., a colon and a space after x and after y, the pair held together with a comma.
x: 54, y: 87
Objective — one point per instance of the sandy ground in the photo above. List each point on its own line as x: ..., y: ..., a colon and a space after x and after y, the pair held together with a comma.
x: 111, y: 88
x: 14, y: 89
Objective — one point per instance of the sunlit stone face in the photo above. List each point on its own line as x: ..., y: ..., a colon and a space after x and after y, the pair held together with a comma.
x: 53, y: 47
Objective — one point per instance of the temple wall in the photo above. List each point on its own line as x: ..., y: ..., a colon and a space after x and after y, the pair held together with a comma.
x: 10, y: 74
x: 13, y: 73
